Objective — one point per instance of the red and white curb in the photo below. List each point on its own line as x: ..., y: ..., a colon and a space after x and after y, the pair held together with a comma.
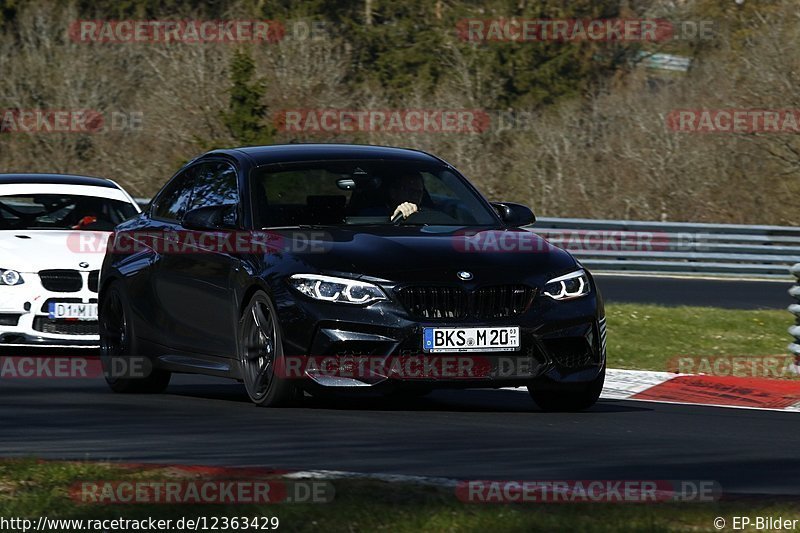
x: 696, y: 389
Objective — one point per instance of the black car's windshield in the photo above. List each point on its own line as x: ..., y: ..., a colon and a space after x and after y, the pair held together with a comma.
x: 62, y: 212
x: 365, y: 193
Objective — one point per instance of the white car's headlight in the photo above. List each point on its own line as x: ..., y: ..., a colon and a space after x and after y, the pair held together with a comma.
x: 10, y: 277
x: 569, y: 286
x: 330, y: 289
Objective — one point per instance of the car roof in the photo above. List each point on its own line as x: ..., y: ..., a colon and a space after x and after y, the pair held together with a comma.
x: 286, y: 153
x: 57, y: 179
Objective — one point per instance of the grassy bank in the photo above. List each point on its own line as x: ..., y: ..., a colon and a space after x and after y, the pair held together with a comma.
x: 647, y: 337
x: 30, y: 488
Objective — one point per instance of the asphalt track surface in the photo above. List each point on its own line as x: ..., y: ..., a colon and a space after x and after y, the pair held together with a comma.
x: 728, y: 294
x: 474, y: 434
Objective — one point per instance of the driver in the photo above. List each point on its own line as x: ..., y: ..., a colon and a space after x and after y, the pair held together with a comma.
x: 87, y: 211
x: 404, y: 194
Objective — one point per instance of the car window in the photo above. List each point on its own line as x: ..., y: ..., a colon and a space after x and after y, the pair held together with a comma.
x: 173, y: 200
x: 363, y: 192
x: 58, y: 211
x: 214, y: 185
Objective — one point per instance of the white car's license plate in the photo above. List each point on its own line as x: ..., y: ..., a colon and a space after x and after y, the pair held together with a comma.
x: 500, y: 339
x: 75, y: 311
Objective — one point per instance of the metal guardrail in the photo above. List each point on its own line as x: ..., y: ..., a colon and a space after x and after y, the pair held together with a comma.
x: 729, y: 250
x: 794, y: 330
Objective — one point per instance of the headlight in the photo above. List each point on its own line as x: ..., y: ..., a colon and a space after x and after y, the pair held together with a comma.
x: 330, y: 289
x: 569, y: 286
x: 10, y: 277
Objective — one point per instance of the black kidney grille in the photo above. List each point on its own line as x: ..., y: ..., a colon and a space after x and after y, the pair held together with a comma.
x: 434, y: 302
x: 499, y: 301
x: 94, y: 280
x: 61, y: 280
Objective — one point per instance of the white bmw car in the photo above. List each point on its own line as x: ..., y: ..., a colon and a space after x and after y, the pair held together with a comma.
x: 53, y: 230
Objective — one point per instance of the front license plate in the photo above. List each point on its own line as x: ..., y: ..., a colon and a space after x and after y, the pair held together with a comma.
x: 73, y: 311
x: 503, y: 339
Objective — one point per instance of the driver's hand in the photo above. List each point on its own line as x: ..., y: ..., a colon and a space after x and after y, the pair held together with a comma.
x: 85, y: 221
x: 406, y: 209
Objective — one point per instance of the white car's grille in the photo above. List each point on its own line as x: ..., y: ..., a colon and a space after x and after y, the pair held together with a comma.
x: 94, y: 280
x: 9, y: 319
x: 48, y: 325
x: 61, y: 280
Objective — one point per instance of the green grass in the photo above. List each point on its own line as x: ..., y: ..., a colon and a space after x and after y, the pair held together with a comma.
x: 646, y: 337
x: 30, y: 488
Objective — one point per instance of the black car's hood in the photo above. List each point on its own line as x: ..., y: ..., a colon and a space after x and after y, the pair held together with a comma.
x: 403, y: 253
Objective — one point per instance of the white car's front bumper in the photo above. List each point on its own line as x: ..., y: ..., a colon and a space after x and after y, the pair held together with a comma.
x: 24, y: 319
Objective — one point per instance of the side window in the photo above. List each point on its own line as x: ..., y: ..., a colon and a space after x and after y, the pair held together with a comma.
x: 215, y: 184
x: 173, y: 200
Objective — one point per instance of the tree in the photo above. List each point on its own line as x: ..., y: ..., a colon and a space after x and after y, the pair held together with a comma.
x: 246, y: 118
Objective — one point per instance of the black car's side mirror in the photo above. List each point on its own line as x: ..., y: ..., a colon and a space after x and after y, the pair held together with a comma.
x: 211, y: 217
x: 514, y: 215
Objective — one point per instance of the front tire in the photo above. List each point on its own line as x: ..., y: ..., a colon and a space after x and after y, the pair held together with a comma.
x: 567, y: 397
x: 119, y: 349
x: 261, y: 352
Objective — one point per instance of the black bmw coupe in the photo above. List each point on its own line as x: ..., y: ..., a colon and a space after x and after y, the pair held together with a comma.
x: 311, y: 267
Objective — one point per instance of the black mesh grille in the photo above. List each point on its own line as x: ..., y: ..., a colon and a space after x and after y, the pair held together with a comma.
x: 501, y: 301
x: 8, y: 319
x: 454, y: 302
x: 59, y: 327
x: 61, y: 280
x: 94, y: 280
x: 574, y: 360
x: 570, y: 352
x: 434, y: 302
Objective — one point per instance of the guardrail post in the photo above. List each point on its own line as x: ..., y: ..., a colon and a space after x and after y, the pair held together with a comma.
x: 794, y: 330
